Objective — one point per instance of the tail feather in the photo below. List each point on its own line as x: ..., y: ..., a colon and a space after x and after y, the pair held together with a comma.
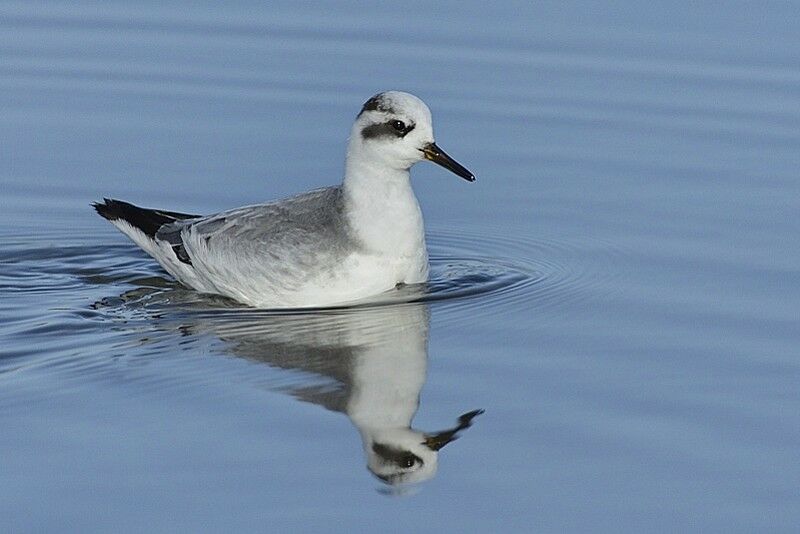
x: 145, y: 219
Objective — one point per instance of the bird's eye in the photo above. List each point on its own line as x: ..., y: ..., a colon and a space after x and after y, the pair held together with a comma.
x: 408, y: 460
x: 399, y: 125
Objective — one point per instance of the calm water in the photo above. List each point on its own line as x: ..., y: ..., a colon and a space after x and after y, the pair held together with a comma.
x: 619, y: 290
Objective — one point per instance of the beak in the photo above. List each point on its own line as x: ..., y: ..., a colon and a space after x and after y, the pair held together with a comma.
x: 438, y: 440
x: 439, y: 156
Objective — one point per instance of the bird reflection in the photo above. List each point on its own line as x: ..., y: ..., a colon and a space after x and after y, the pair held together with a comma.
x: 372, y: 362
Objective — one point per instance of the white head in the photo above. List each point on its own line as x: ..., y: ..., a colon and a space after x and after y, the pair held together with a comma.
x: 394, y: 130
x: 403, y: 455
x: 399, y: 456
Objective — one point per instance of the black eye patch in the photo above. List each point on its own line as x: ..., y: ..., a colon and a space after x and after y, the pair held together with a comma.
x: 398, y: 457
x: 391, y: 128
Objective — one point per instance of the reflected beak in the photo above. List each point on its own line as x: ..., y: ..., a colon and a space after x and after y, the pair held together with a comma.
x: 438, y: 440
x: 439, y: 156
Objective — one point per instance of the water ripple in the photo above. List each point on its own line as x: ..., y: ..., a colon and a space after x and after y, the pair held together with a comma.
x: 481, y: 273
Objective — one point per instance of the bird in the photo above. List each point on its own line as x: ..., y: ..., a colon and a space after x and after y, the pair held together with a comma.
x: 369, y: 364
x: 332, y: 246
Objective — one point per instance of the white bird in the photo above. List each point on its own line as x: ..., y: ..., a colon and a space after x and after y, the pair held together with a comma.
x: 373, y: 363
x: 325, y: 247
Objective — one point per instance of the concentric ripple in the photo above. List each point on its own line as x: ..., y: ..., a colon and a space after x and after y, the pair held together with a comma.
x: 493, y: 273
x: 469, y: 272
x: 485, y: 272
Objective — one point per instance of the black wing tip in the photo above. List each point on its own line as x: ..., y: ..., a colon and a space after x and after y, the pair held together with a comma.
x: 108, y: 208
x: 113, y: 209
x: 145, y: 219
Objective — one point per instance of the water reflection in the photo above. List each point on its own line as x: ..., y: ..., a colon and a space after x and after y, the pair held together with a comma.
x: 369, y: 364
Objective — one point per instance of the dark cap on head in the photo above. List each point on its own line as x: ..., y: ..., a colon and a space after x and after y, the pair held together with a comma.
x: 377, y: 103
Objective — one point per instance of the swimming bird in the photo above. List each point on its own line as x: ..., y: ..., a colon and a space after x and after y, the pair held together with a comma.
x: 326, y: 247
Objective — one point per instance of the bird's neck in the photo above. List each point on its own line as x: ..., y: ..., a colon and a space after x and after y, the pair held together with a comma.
x: 387, y: 376
x: 381, y: 207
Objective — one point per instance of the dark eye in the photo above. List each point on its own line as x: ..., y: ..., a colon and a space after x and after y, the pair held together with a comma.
x: 408, y: 460
x: 399, y: 125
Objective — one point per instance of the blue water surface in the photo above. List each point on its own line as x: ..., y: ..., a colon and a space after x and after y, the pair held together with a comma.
x: 619, y: 290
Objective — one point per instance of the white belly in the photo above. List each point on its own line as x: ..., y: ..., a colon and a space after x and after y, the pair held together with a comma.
x: 357, y: 277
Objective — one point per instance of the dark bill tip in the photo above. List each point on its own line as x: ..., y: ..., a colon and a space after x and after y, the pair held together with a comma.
x: 440, y: 157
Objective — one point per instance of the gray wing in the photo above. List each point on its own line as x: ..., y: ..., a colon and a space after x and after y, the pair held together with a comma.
x: 281, y: 243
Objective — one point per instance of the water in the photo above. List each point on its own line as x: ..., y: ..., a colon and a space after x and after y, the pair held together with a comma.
x: 619, y: 290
